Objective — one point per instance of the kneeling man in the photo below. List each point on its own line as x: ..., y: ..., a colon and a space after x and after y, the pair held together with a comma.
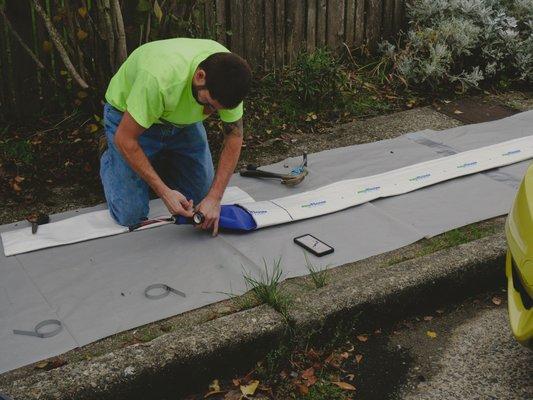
x: 155, y: 104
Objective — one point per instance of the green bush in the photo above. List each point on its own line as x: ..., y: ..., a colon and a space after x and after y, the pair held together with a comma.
x: 316, y: 77
x: 464, y: 42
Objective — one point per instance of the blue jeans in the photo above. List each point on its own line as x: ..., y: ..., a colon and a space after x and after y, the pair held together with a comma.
x: 187, y: 154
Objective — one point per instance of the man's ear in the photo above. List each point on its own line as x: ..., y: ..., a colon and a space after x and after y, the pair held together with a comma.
x: 199, y: 77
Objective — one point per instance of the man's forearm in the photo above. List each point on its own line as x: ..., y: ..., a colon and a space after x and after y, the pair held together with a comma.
x: 226, y: 165
x: 136, y: 158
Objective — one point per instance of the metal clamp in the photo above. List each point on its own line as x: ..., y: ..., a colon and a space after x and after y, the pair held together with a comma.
x: 36, y: 331
x: 166, y: 291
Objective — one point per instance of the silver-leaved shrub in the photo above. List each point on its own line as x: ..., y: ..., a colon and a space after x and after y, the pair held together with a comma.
x: 464, y: 42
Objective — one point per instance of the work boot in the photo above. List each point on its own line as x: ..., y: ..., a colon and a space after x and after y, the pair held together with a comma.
x: 102, y: 147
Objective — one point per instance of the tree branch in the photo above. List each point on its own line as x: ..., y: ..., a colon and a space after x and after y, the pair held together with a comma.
x: 122, y: 51
x: 106, y: 11
x: 59, y: 45
x: 21, y: 42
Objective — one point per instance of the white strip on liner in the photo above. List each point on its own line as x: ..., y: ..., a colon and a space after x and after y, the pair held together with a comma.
x: 324, y: 200
x: 92, y: 225
x: 348, y: 193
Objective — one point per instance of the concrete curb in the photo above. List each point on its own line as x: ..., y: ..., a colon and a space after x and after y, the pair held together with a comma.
x: 367, y: 289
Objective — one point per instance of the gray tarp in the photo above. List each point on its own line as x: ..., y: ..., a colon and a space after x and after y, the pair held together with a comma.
x: 96, y: 287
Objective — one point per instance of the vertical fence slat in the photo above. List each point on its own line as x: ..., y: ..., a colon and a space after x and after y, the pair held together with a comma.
x: 335, y: 24
x: 311, y: 25
x: 198, y: 18
x: 359, y: 37
x: 398, y: 16
x: 10, y: 81
x: 388, y: 10
x: 280, y: 33
x: 4, y: 104
x: 270, y: 35
x: 295, y: 29
x: 373, y: 23
x: 321, y: 23
x: 221, y: 21
x: 237, y: 32
x: 210, y: 19
x: 253, y: 28
x: 349, y: 31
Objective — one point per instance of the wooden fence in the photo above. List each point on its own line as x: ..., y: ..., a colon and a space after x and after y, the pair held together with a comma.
x: 271, y: 33
x: 268, y: 33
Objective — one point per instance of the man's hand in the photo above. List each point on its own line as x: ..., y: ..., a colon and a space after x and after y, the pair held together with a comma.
x: 210, y: 208
x: 210, y: 205
x: 177, y: 204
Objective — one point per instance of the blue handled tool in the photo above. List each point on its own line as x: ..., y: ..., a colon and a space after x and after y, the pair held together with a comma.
x: 232, y: 217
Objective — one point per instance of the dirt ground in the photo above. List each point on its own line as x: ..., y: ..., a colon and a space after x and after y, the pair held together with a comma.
x: 76, y: 183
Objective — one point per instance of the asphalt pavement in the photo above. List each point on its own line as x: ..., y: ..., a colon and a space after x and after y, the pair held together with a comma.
x: 464, y: 352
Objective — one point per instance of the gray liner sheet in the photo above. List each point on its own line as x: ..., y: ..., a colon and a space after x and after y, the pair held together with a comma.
x: 96, y: 287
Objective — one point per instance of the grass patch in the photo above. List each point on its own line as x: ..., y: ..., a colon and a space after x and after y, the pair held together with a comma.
x: 266, y: 288
x: 449, y: 239
x: 318, y: 275
x: 324, y: 390
x: 17, y: 150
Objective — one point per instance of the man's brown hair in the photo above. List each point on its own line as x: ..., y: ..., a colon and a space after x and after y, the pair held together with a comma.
x: 228, y: 78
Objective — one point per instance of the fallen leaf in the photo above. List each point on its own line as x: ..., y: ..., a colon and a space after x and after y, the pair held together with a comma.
x: 362, y: 338
x: 333, y: 360
x: 214, y: 386
x: 18, y: 179
x: 157, y: 11
x: 81, y: 34
x: 446, y: 101
x: 91, y: 128
x: 41, y: 365
x: 81, y: 94
x: 309, y: 372
x: 236, y: 382
x: 428, y: 318
x: 457, y: 112
x: 63, y: 72
x: 313, y: 355
x: 311, y: 381
x: 431, y: 334
x: 47, y: 46
x: 358, y: 358
x: 82, y: 11
x: 496, y: 300
x: 377, y: 331
x: 250, y: 388
x: 304, y: 390
x: 344, y: 385
x: 16, y: 187
x: 350, y: 377
x: 440, y: 311
x: 345, y: 355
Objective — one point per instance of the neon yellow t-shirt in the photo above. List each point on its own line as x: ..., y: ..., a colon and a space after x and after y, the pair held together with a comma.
x: 155, y: 83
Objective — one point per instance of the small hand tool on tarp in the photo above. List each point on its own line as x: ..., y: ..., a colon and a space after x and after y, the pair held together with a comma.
x: 232, y: 217
x: 36, y: 219
x: 293, y: 178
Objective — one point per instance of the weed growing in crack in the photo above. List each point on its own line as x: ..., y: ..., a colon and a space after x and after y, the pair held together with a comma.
x: 318, y: 275
x: 266, y: 288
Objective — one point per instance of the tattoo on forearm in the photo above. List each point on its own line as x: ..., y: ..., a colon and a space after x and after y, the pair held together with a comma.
x: 233, y: 128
